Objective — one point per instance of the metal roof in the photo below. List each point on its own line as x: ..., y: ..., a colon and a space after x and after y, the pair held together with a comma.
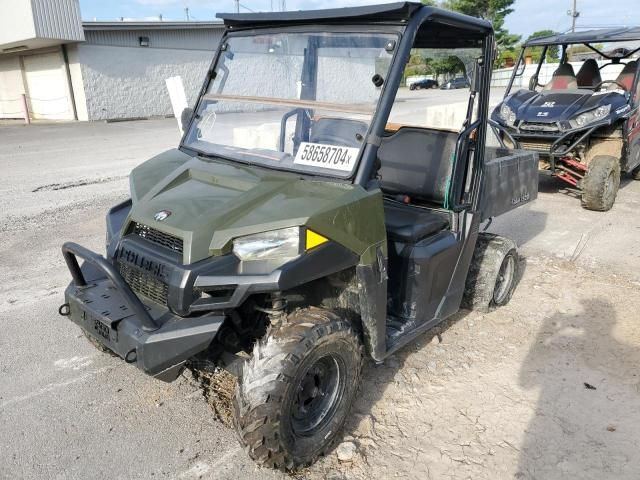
x: 389, y: 12
x: 157, y: 25
x: 622, y: 34
x: 397, y: 12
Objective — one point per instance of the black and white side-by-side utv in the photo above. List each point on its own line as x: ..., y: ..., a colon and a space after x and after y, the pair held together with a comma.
x: 584, y: 122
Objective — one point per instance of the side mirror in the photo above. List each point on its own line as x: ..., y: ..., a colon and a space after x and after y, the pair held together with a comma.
x: 185, y: 117
x: 533, y: 82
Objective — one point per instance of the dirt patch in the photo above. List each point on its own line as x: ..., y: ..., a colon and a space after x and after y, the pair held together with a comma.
x: 218, y: 389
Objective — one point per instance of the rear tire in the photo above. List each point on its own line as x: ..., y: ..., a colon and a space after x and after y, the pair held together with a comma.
x: 601, y: 183
x: 412, y: 87
x: 297, y: 390
x: 493, y: 273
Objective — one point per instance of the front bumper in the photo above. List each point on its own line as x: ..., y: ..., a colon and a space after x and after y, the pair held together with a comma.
x: 147, y: 335
x: 557, y: 145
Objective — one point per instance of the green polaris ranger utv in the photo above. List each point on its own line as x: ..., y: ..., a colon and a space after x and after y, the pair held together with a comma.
x: 312, y: 215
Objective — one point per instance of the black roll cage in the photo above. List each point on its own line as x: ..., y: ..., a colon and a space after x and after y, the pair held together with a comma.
x: 563, y: 58
x: 408, y: 30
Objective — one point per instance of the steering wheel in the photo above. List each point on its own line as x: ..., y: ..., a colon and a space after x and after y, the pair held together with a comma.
x: 601, y: 84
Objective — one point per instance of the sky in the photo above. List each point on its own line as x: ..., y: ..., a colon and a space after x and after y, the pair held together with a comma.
x: 529, y: 15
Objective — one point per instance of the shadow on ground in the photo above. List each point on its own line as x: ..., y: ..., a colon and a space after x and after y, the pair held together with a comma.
x: 580, y: 426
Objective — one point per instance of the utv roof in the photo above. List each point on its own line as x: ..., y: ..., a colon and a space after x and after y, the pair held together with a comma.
x: 622, y: 34
x: 397, y: 12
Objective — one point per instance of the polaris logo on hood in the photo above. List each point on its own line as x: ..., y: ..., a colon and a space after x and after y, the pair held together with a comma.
x: 162, y: 215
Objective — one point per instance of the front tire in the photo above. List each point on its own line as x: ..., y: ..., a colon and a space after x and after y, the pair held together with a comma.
x: 601, y: 183
x: 493, y: 273
x: 297, y: 389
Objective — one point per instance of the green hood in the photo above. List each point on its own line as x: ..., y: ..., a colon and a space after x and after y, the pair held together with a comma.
x: 213, y: 202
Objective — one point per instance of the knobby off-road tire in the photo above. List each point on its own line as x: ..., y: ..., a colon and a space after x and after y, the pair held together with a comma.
x: 493, y: 274
x: 601, y: 183
x: 297, y: 389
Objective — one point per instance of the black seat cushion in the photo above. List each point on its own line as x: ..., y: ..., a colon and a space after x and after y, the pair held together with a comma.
x: 410, y: 224
x: 627, y: 75
x: 563, y: 78
x: 589, y: 74
x: 417, y: 162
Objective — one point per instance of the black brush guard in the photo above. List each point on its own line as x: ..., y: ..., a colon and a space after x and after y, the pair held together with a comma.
x: 150, y: 336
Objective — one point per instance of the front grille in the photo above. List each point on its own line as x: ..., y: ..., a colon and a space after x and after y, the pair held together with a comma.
x: 165, y: 240
x: 144, y: 284
x: 539, y: 127
x: 539, y: 145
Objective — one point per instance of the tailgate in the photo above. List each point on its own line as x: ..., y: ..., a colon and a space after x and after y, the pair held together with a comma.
x: 510, y: 180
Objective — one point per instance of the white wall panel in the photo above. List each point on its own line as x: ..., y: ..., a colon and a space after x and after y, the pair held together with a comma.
x: 58, y: 19
x: 186, y: 38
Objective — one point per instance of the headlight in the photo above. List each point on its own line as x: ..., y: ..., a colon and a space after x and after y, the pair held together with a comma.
x: 507, y: 114
x: 277, y: 244
x: 590, y: 116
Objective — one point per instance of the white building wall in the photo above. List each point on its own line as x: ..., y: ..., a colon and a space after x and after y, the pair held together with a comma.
x: 59, y: 19
x: 77, y: 82
x: 124, y: 82
x: 38, y: 23
x: 16, y: 21
x: 188, y: 38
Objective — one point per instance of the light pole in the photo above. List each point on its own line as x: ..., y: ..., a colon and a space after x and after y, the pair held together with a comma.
x: 574, y: 14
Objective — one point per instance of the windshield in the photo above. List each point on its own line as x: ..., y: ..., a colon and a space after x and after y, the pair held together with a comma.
x: 293, y: 101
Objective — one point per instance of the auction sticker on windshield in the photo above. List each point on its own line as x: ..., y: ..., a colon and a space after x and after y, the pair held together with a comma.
x: 326, y: 156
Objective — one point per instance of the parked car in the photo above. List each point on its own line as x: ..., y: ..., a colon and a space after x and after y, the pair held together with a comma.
x: 426, y: 83
x: 455, y: 84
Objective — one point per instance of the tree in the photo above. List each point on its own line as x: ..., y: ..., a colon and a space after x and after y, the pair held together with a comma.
x: 553, y: 51
x: 493, y: 10
x: 419, y: 64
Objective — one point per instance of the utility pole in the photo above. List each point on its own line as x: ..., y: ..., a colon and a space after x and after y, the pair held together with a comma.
x: 574, y: 14
x: 186, y: 13
x: 237, y: 6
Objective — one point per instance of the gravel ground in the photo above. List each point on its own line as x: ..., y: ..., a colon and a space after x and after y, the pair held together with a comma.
x: 544, y: 388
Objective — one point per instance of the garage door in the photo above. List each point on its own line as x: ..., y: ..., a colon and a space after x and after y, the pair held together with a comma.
x: 10, y: 87
x: 47, y: 86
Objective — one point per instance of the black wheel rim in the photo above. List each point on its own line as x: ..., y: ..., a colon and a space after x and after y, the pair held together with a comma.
x: 317, y: 396
x: 504, y: 280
